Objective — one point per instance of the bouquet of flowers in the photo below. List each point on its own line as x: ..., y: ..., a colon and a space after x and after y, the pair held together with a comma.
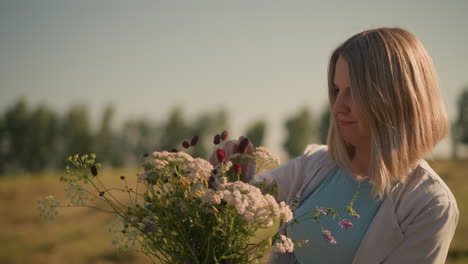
x: 189, y: 210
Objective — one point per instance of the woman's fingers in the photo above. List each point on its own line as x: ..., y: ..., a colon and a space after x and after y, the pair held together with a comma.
x: 242, y: 145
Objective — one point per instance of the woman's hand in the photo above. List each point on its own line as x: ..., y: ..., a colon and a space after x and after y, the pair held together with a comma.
x: 242, y: 145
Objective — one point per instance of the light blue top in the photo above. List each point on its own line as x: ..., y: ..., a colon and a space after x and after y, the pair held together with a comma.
x: 336, y: 191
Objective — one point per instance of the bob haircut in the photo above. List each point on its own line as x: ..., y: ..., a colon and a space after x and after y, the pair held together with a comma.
x: 395, y: 85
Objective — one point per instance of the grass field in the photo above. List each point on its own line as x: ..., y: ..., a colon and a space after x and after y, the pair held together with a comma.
x: 80, y: 235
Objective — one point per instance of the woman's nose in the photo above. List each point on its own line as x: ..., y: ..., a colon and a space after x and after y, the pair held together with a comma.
x: 341, y: 105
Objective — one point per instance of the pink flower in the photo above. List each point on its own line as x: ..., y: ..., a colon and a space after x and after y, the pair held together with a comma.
x: 322, y: 211
x: 326, y: 234
x: 345, y: 223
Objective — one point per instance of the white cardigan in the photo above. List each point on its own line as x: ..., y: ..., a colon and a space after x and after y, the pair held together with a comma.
x: 414, y: 224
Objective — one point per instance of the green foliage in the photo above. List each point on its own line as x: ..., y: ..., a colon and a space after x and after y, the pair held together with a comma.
x: 324, y: 125
x: 256, y: 132
x: 34, y: 139
x: 76, y: 130
x: 300, y: 132
x: 175, y: 130
x: 461, y: 125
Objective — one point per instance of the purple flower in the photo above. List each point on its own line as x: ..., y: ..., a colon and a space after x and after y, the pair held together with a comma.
x: 322, y: 211
x: 243, y: 145
x: 217, y: 139
x: 326, y: 234
x: 149, y: 227
x: 345, y: 223
x: 94, y: 170
x: 186, y: 144
x: 194, y: 141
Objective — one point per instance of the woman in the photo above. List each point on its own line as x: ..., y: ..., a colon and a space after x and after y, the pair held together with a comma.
x: 387, y: 113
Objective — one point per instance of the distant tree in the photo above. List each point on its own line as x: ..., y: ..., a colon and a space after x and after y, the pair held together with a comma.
x: 137, y: 137
x: 108, y: 148
x: 77, y: 137
x: 324, y: 125
x: 462, y: 120
x: 3, y: 145
x: 204, y: 127
x: 300, y: 132
x: 460, y: 127
x: 256, y: 132
x: 43, y: 136
x: 175, y: 130
x: 15, y: 134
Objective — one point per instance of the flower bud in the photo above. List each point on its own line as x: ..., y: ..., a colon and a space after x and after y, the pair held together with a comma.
x: 243, y: 145
x: 194, y: 141
x: 186, y: 144
x: 94, y: 170
x: 174, y: 150
x: 224, y: 135
x: 211, y: 182
x: 237, y: 168
x: 145, y: 155
x: 217, y: 139
x: 221, y: 155
x: 149, y: 227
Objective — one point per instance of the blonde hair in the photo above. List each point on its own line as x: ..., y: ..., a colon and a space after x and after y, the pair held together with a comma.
x: 395, y: 85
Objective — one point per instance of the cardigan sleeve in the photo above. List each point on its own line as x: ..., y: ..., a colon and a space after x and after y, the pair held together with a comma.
x: 286, y: 176
x: 291, y: 176
x: 427, y: 238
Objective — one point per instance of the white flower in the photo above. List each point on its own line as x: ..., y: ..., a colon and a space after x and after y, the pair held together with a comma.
x: 265, y: 155
x: 285, y: 212
x: 173, y: 157
x: 198, y: 168
x: 160, y: 164
x: 223, y: 168
x: 284, y: 244
x: 249, y: 202
x: 211, y: 197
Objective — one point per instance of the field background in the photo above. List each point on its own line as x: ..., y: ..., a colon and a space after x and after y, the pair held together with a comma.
x: 80, y: 235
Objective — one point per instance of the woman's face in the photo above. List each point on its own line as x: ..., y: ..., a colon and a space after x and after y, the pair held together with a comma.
x: 348, y: 119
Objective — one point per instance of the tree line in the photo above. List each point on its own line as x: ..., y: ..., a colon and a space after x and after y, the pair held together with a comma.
x: 36, y: 139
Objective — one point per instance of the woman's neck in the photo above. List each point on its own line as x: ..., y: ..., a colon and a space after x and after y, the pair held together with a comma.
x: 361, y: 161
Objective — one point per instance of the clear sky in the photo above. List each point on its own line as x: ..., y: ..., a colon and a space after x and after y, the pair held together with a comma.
x: 258, y: 59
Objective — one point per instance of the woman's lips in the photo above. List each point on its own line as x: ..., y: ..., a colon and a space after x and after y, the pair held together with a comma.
x: 345, y: 123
